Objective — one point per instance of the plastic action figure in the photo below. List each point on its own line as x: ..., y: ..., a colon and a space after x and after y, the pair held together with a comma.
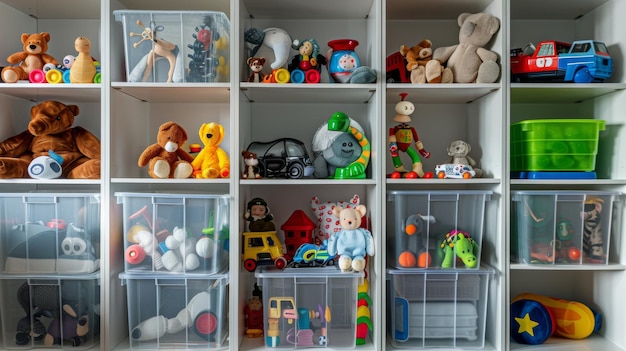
x: 259, y: 216
x: 400, y: 139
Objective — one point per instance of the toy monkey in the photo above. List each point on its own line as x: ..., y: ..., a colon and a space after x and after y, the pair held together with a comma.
x: 251, y: 162
x: 259, y: 216
x: 256, y: 66
x: 400, y: 139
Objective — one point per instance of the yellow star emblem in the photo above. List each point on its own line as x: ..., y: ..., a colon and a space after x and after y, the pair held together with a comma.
x: 526, y: 324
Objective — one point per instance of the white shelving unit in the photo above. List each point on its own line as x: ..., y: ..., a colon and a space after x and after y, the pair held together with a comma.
x: 126, y: 117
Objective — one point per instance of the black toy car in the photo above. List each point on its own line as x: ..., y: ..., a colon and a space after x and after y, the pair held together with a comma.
x: 284, y: 157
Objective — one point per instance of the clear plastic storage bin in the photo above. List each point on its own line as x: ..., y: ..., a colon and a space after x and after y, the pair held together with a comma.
x: 435, y: 228
x: 437, y: 308
x: 175, y: 233
x: 562, y: 227
x: 49, y: 233
x: 182, y: 311
x: 41, y: 311
x: 309, y: 307
x: 175, y: 46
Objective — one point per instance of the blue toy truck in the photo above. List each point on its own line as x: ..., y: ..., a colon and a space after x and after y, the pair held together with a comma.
x: 583, y: 61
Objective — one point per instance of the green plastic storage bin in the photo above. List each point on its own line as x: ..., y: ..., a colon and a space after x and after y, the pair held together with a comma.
x: 555, y: 144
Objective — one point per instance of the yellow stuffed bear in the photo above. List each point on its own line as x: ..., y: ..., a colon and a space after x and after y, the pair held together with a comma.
x: 212, y: 161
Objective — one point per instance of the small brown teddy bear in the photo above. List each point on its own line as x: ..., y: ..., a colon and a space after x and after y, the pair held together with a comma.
x: 166, y: 158
x: 250, y: 171
x: 458, y: 153
x: 469, y: 61
x: 256, y: 66
x: 33, y: 57
x: 50, y: 128
x: 418, y: 58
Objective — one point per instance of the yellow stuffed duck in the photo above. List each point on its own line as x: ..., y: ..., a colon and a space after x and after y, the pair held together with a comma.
x: 212, y: 161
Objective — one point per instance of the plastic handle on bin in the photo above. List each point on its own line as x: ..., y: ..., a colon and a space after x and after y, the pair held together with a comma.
x: 402, y: 334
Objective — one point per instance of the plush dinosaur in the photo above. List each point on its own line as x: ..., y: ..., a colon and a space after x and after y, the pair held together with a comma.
x: 458, y: 244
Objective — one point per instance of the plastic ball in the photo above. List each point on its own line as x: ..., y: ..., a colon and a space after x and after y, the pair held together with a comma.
x: 44, y: 167
x: 205, y: 247
x: 573, y: 253
x: 410, y: 229
x: 424, y: 260
x: 407, y: 259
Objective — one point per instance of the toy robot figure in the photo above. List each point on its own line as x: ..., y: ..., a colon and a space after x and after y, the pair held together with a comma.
x: 254, y: 314
x: 400, y: 139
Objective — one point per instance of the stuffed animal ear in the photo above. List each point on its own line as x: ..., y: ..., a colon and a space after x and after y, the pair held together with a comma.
x: 361, y: 210
x: 337, y: 210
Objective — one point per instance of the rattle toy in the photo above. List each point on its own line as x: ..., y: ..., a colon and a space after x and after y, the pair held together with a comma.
x: 400, y: 139
x: 307, y: 65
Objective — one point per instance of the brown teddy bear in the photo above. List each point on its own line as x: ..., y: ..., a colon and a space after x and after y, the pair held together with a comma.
x: 417, y: 58
x: 469, y: 61
x: 166, y: 158
x: 50, y: 128
x: 33, y: 57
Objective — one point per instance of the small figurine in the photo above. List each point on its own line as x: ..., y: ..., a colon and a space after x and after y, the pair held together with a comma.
x: 251, y: 162
x: 83, y: 69
x: 458, y: 244
x: 160, y: 48
x: 307, y: 65
x: 256, y: 68
x: 254, y: 314
x: 259, y: 216
x: 593, y: 241
x: 352, y: 243
x: 400, y: 139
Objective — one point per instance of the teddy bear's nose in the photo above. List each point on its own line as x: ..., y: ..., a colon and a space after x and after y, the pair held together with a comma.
x: 32, y: 46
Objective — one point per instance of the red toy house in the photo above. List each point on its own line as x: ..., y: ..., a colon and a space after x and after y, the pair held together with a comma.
x: 298, y: 230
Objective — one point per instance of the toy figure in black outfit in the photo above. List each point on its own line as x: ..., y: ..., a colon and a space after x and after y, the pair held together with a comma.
x: 259, y: 216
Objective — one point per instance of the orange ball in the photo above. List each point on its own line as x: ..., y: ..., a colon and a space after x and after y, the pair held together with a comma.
x: 410, y: 229
x: 424, y: 260
x: 406, y: 259
x: 573, y: 253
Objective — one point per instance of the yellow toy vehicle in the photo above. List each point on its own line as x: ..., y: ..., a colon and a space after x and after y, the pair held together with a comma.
x: 262, y: 248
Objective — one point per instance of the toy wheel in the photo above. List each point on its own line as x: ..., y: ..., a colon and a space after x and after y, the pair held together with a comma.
x: 280, y: 262
x: 249, y: 265
x: 467, y: 175
x: 441, y: 175
x: 583, y: 76
x: 295, y: 171
x: 205, y: 325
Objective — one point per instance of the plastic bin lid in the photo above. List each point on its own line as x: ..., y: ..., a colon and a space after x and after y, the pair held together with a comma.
x: 222, y: 277
x: 306, y: 272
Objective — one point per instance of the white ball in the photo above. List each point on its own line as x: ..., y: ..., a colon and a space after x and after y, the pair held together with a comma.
x: 205, y: 247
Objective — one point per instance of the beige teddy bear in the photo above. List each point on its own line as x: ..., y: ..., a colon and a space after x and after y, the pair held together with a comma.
x: 469, y: 61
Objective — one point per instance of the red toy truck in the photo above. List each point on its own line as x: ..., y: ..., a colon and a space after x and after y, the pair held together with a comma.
x: 583, y: 61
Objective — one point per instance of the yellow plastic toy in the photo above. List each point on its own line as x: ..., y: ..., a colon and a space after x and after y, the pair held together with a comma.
x: 574, y: 320
x: 212, y: 161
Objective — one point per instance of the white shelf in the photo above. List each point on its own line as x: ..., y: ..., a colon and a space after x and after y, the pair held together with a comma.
x: 441, y: 93
x: 38, y: 92
x: 307, y: 93
x: 176, y: 92
x: 555, y: 93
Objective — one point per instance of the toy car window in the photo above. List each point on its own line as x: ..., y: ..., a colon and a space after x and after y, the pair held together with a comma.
x: 295, y: 150
x: 581, y: 47
x: 546, y: 50
x: 275, y: 150
x: 255, y: 242
x: 601, y: 48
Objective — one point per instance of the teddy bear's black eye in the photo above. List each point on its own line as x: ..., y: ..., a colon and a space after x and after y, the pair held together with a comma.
x: 58, y: 118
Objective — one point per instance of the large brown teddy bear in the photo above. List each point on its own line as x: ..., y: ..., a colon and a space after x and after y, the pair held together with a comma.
x: 33, y: 57
x: 50, y: 128
x: 417, y: 58
x: 469, y: 61
x: 165, y: 158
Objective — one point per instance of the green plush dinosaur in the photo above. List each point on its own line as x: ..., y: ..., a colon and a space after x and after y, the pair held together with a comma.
x: 458, y: 244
